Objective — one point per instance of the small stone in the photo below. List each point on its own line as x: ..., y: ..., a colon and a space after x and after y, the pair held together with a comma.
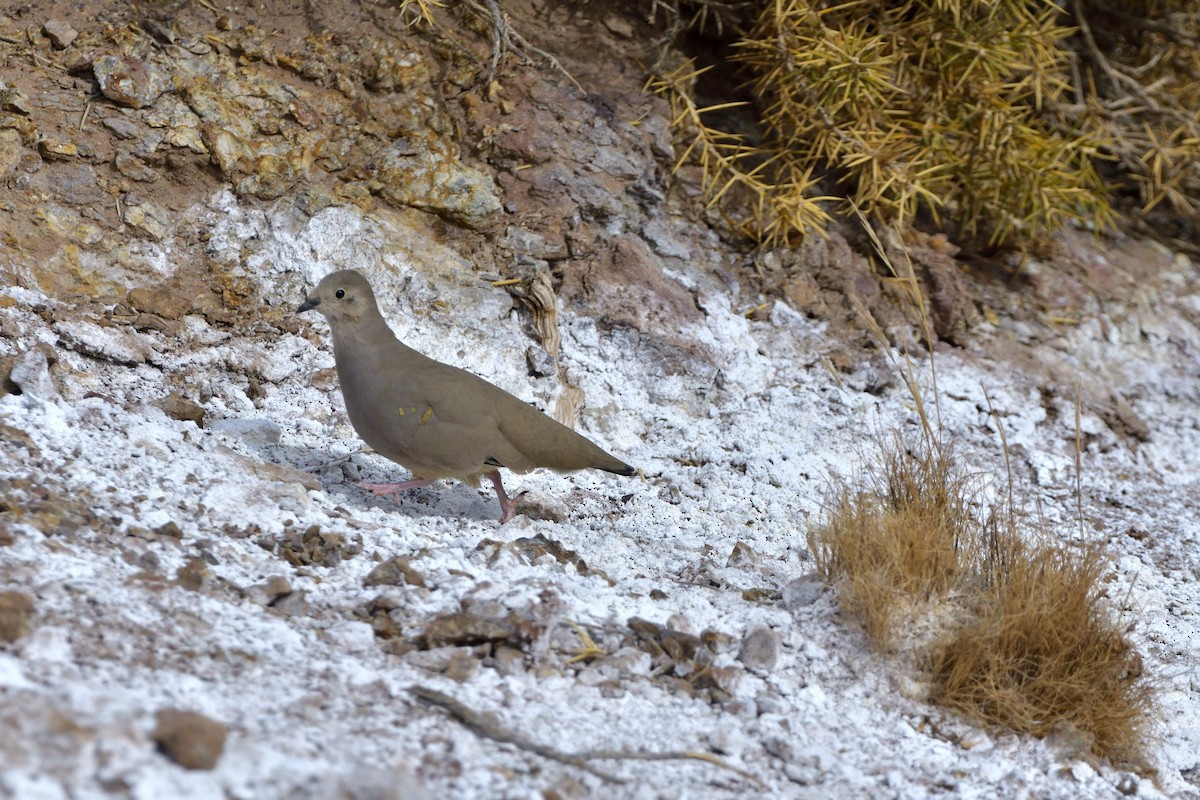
x: 54, y: 150
x: 436, y: 659
x: 75, y: 183
x: 717, y: 641
x: 15, y: 610
x: 462, y: 666
x: 508, y: 660
x: 292, y: 604
x: 619, y: 26
x: 314, y: 547
x: 803, y: 591
x: 1128, y: 784
x: 770, y: 704
x: 625, y: 662
x: 742, y: 556
x: 681, y: 624
x: 128, y: 81
x: 169, y: 529
x: 121, y: 127
x: 741, y: 707
x: 60, y: 33
x: 176, y: 406
x: 31, y: 372
x: 190, y: 739
x: 150, y: 217
x: 432, y: 181
x: 6, y: 382
x: 269, y: 592
x: 14, y: 101
x: 760, y: 649
x: 325, y: 379
x: 779, y: 747
x: 133, y: 167
x: 251, y: 431
x: 396, y: 571
x: 192, y: 575
x: 539, y: 363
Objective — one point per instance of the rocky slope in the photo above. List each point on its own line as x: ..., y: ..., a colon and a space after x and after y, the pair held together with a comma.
x: 179, y: 525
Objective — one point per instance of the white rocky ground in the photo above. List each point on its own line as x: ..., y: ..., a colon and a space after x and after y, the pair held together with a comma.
x: 132, y: 614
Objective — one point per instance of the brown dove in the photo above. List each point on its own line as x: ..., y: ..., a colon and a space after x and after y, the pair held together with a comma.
x: 436, y: 420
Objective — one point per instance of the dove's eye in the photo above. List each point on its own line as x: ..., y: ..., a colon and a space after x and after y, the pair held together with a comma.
x: 339, y: 294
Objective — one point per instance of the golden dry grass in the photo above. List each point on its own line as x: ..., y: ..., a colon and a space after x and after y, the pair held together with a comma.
x: 1023, y: 636
x: 1042, y: 648
x: 901, y: 534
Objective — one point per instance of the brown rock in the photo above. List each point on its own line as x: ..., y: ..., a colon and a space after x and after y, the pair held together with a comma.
x: 466, y: 628
x: 325, y: 379
x: 133, y: 167
x: 742, y: 556
x: 394, y: 572
x: 176, y: 406
x: 165, y: 301
x: 150, y: 217
x: 271, y: 591
x: 462, y: 666
x: 191, y: 740
x: 60, y: 33
x: 14, y: 101
x: 55, y: 150
x: 432, y: 181
x: 951, y: 306
x: 129, y: 82
x: 314, y: 547
x: 192, y: 575
x: 10, y: 152
x: 15, y: 610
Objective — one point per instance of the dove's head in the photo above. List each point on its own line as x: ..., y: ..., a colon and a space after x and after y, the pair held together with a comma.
x: 342, y: 296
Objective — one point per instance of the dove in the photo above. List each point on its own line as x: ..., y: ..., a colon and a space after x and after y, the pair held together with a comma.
x: 434, y: 419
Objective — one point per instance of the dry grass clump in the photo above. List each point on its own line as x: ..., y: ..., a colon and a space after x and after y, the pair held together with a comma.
x: 900, y: 536
x: 1041, y: 649
x: 1022, y: 635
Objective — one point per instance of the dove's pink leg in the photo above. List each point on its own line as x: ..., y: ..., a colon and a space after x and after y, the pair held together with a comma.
x: 507, y: 504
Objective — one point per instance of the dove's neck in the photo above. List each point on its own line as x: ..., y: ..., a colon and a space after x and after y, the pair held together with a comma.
x: 362, y: 339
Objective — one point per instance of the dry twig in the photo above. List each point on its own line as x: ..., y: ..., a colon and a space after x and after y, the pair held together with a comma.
x: 505, y: 39
x: 486, y: 725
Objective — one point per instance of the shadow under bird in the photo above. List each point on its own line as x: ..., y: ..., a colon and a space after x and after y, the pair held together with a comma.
x: 436, y: 420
